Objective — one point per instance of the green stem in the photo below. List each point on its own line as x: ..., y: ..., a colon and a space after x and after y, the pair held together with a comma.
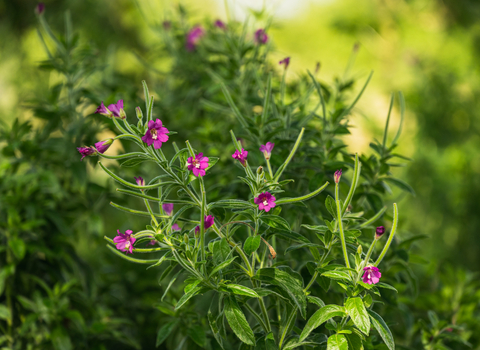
x: 287, y: 327
x: 202, y: 221
x: 392, y: 234
x: 374, y: 218
x: 342, y: 234
x: 269, y: 168
x: 151, y: 212
x: 257, y: 317
x: 353, y: 186
x: 367, y: 258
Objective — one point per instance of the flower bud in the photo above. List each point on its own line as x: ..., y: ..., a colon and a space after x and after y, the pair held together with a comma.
x: 138, y: 110
x: 380, y: 230
x: 359, y: 249
x: 337, y: 176
x: 102, y: 146
x: 260, y: 170
x: 139, y: 180
x: 40, y: 8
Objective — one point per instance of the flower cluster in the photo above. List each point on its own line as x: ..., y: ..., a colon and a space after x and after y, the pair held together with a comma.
x: 193, y: 37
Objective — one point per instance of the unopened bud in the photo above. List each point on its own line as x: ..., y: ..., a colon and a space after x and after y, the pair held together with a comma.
x: 185, y: 238
x: 380, y: 230
x: 40, y: 8
x: 260, y: 170
x: 359, y: 249
x: 138, y: 110
x: 337, y: 176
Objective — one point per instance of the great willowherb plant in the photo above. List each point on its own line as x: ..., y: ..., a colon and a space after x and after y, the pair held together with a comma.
x: 242, y: 274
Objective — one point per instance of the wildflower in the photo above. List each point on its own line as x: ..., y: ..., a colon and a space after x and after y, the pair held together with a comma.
x: 241, y: 156
x: 87, y: 151
x: 379, y: 232
x: 265, y: 201
x: 175, y: 227
x: 372, y: 275
x: 125, y: 241
x: 139, y: 180
x: 115, y: 110
x: 207, y: 223
x: 156, y: 134
x: 337, y: 176
x: 103, y: 110
x: 261, y: 36
x: 220, y: 24
x: 193, y: 37
x: 285, y: 61
x: 198, y: 164
x: 267, y: 149
x: 40, y: 8
x: 102, y: 146
x: 167, y: 208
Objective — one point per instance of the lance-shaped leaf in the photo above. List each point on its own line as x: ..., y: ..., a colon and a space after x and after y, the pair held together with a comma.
x: 321, y: 316
x: 129, y: 258
x: 357, y: 312
x: 288, y: 283
x: 188, y: 295
x: 276, y: 222
x: 231, y: 204
x: 164, y: 332
x: 315, y: 340
x: 337, y: 342
x: 237, y: 321
x: 382, y: 329
x: 126, y: 183
x: 221, y: 266
x: 242, y: 290
x: 251, y: 245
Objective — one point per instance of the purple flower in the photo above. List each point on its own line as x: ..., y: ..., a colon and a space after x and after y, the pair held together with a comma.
x: 261, y: 37
x: 40, y: 8
x: 267, y: 149
x: 86, y: 151
x: 117, y: 109
x: 285, y: 61
x: 220, y: 24
x: 372, y: 275
x: 193, y: 37
x: 265, y: 201
x: 125, y: 241
x: 175, y: 227
x: 167, y: 208
x: 198, y: 165
x: 139, y: 180
x: 155, y: 134
x: 241, y: 156
x: 380, y: 230
x: 337, y: 176
x: 152, y: 242
x: 208, y: 222
x: 102, y: 146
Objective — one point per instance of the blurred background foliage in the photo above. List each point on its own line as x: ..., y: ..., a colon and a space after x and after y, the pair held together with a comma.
x: 428, y: 49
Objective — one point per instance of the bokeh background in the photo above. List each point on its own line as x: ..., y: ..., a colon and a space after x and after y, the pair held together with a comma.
x: 428, y: 49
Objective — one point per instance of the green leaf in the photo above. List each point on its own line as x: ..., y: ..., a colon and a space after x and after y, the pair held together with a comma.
x: 221, y: 250
x: 358, y: 314
x: 354, y: 342
x: 290, y: 235
x: 18, y: 247
x: 400, y: 184
x: 382, y: 329
x: 315, y: 300
x: 275, y: 221
x: 251, y: 245
x: 231, y: 204
x: 331, y: 206
x: 5, y: 313
x: 288, y: 283
x: 237, y: 321
x: 221, y: 266
x: 191, y: 293
x: 211, y: 162
x: 164, y: 332
x: 315, y: 340
x: 197, y: 334
x: 337, y: 342
x: 385, y: 286
x: 60, y: 339
x: 321, y: 316
x: 133, y: 162
x: 303, y: 198
x: 242, y: 290
x: 342, y: 275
